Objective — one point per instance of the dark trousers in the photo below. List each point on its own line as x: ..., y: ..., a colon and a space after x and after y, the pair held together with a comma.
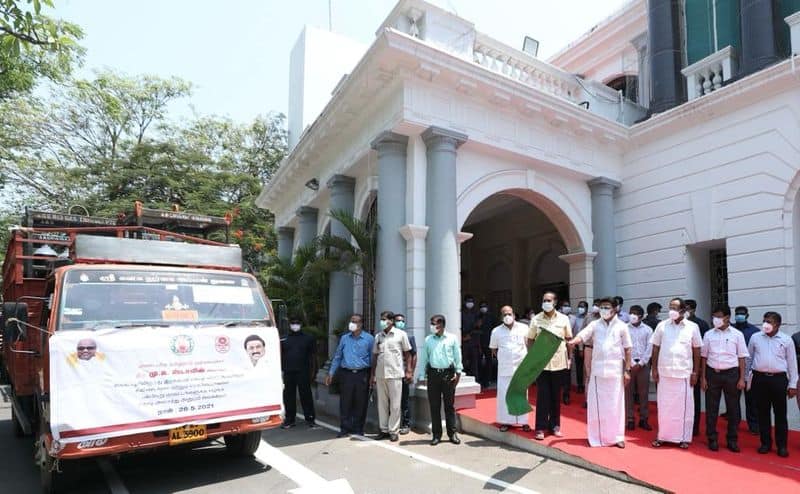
x: 722, y: 383
x: 638, y: 385
x: 405, y: 406
x: 548, y: 399
x: 751, y: 411
x: 353, y: 400
x: 472, y: 357
x: 442, y: 390
x: 292, y: 383
x: 769, y: 393
x: 578, y: 365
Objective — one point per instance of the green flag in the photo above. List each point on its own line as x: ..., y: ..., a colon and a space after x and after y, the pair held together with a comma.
x: 539, y: 354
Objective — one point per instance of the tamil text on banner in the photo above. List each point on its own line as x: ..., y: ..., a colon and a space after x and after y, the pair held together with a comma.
x: 539, y: 354
x: 114, y: 382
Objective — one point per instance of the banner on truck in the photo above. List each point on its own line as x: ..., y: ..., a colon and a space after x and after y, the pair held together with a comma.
x: 115, y: 382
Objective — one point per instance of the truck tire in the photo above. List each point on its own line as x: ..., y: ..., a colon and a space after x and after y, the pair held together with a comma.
x: 243, y: 444
x: 48, y: 478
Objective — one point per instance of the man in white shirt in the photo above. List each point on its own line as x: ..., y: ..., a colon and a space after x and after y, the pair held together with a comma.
x: 640, y: 370
x: 507, y: 343
x: 676, y: 364
x: 774, y: 378
x: 610, y: 374
x: 722, y: 371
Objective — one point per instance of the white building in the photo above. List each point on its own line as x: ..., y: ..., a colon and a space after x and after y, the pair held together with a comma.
x: 498, y: 174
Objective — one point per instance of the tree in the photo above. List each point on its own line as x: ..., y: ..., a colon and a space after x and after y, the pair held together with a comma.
x: 33, y: 46
x: 356, y: 256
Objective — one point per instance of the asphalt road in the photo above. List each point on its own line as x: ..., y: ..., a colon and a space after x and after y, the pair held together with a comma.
x: 305, y: 461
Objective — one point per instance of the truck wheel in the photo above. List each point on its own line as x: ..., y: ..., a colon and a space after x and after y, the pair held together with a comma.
x: 243, y: 444
x: 18, y: 432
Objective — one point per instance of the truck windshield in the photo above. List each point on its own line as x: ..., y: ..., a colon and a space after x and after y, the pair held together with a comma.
x: 102, y: 298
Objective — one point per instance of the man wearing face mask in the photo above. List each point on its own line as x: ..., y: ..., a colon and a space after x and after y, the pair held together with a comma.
x: 298, y: 350
x: 773, y: 379
x: 577, y: 325
x: 487, y: 322
x: 722, y: 372
x: 551, y: 380
x: 440, y: 367
x: 611, y: 345
x: 390, y: 367
x: 405, y: 407
x: 352, y: 361
x: 470, y: 336
x: 640, y: 370
x: 691, y: 315
x: 622, y: 315
x: 508, y: 345
x: 652, y: 320
x: 675, y: 368
x: 741, y: 313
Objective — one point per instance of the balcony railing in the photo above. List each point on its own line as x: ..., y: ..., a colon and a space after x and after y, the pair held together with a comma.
x: 708, y: 75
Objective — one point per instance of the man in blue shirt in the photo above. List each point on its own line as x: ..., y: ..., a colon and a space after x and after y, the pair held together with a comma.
x: 748, y: 330
x: 353, y: 362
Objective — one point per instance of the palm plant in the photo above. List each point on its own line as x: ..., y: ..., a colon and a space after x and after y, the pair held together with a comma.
x: 301, y: 283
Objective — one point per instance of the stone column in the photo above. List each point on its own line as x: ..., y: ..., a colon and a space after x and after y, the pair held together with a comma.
x: 442, y: 269
x: 307, y: 225
x: 390, y: 276
x: 340, y: 290
x: 604, y: 241
x: 664, y: 50
x: 285, y: 242
x: 581, y: 276
x: 759, y: 40
x: 415, y: 295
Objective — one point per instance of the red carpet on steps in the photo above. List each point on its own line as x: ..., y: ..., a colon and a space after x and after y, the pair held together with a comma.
x: 683, y: 471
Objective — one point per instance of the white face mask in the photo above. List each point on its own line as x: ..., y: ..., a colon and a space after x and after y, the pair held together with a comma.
x: 634, y: 319
x: 508, y: 320
x: 484, y: 310
x: 469, y: 305
x: 566, y: 309
x: 352, y: 326
x: 766, y: 327
x: 547, y: 306
x: 606, y: 314
x: 433, y: 329
x: 674, y: 314
x: 581, y: 310
x: 595, y: 309
x: 718, y: 322
x: 294, y: 327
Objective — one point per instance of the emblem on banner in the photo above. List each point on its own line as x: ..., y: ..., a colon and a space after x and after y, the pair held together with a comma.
x: 182, y: 344
x: 222, y: 344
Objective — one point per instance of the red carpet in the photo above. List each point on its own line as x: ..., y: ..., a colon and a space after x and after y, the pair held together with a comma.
x: 683, y: 471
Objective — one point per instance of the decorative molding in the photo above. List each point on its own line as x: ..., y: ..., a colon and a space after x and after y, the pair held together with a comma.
x: 434, y: 134
x: 464, y: 236
x: 603, y: 182
x: 578, y: 257
x: 415, y: 232
x: 343, y: 181
x: 307, y: 211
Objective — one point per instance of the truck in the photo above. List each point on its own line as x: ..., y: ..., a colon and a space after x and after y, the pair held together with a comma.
x: 125, y: 334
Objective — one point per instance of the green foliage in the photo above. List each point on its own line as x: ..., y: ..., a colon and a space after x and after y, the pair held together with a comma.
x: 33, y: 45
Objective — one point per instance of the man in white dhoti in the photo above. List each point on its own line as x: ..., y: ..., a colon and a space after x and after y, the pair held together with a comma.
x: 675, y: 367
x: 610, y: 343
x: 507, y: 343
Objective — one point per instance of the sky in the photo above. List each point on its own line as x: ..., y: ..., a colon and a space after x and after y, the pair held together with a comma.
x: 236, y: 52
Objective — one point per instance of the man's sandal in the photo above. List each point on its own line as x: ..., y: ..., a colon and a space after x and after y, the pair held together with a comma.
x: 684, y: 445
x: 657, y: 443
x: 504, y: 428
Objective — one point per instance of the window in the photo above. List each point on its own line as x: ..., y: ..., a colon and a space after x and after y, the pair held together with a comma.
x: 718, y: 262
x: 710, y: 25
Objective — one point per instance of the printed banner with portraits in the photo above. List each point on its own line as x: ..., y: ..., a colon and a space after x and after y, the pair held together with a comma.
x: 115, y: 382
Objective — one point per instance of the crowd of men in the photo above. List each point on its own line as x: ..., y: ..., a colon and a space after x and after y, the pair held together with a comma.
x: 614, y: 354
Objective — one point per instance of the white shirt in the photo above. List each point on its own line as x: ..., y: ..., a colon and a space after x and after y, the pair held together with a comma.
x: 675, y: 342
x: 642, y: 349
x: 722, y: 349
x: 609, y: 341
x: 774, y: 354
x: 510, y: 346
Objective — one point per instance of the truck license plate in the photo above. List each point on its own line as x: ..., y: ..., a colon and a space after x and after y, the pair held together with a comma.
x: 187, y: 434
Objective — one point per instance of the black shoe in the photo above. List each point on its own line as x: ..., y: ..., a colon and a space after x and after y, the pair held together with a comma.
x: 435, y: 441
x: 342, y: 434
x: 382, y: 436
x: 644, y: 425
x: 713, y: 445
x: 454, y: 439
x: 287, y: 425
x: 762, y: 450
x: 404, y: 430
x: 630, y: 425
x: 783, y: 452
x: 312, y: 425
x: 733, y: 447
x: 393, y: 438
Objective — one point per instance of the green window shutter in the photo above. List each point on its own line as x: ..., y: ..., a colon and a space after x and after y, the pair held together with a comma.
x: 699, y: 35
x: 728, y: 24
x: 784, y: 9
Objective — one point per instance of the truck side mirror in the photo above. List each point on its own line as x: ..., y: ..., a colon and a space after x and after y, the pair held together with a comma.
x: 14, y: 314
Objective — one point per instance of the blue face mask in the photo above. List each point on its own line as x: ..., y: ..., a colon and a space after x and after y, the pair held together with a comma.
x: 740, y: 318
x: 400, y: 325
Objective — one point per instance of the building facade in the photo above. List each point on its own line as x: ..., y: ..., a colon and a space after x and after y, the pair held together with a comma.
x: 656, y: 156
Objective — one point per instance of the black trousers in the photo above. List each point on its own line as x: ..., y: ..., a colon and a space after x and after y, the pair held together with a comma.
x: 442, y: 390
x: 405, y: 406
x: 472, y: 357
x: 769, y: 392
x: 719, y: 384
x: 548, y: 399
x: 696, y: 427
x: 353, y: 400
x: 292, y: 383
x: 578, y: 364
x: 750, y: 410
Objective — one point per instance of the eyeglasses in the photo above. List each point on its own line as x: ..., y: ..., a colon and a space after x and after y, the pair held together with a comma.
x: 84, y: 348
